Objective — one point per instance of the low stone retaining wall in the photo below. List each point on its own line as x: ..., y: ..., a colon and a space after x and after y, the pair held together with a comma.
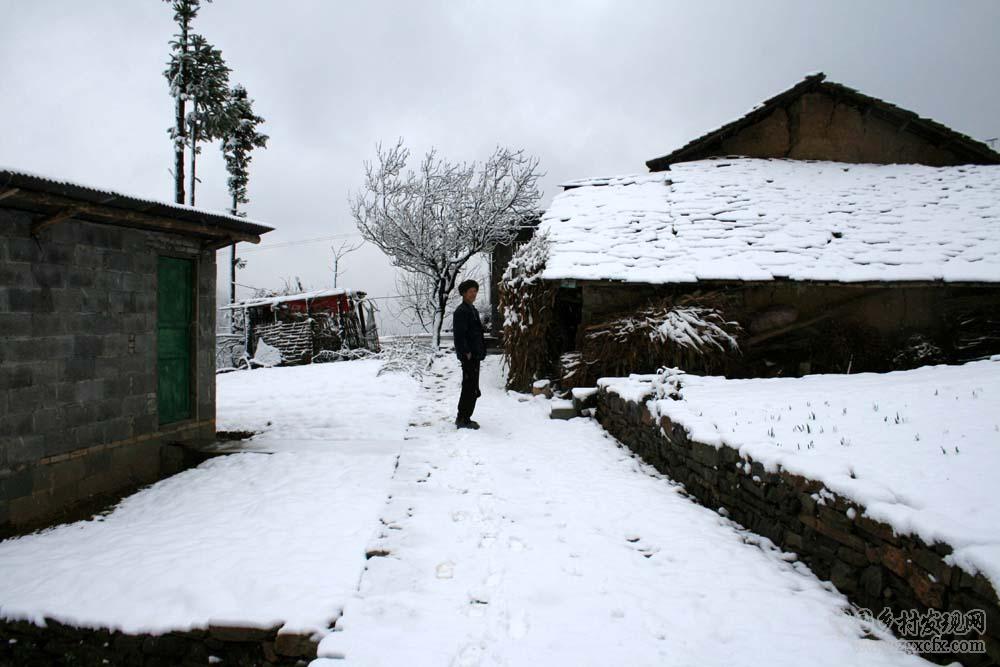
x: 865, y: 559
x: 27, y: 645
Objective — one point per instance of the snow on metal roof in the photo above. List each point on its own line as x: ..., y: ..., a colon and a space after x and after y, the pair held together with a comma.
x: 752, y: 219
x: 284, y: 298
x: 20, y: 179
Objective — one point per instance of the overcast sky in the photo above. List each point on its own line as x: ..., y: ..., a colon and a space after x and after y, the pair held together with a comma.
x: 591, y: 88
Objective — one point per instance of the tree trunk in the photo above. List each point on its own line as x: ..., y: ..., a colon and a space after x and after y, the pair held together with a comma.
x: 179, y: 141
x: 439, y: 315
x: 181, y: 129
x: 232, y: 273
x: 194, y: 151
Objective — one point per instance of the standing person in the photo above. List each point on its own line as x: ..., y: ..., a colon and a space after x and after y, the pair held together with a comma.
x: 471, y: 349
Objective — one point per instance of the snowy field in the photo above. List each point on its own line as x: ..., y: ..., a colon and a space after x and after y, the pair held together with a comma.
x: 542, y: 542
x: 920, y: 449
x: 260, y: 539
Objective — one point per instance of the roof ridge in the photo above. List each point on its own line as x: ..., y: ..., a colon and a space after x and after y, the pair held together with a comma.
x: 819, y: 79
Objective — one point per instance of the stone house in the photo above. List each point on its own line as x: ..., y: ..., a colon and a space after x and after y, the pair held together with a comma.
x: 107, y: 336
x: 838, y: 232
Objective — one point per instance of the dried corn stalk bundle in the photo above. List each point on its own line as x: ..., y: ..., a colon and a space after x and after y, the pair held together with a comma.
x: 573, y: 371
x: 689, y: 334
x: 526, y: 305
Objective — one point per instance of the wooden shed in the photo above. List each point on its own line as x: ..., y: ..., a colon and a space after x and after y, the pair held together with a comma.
x: 309, y: 326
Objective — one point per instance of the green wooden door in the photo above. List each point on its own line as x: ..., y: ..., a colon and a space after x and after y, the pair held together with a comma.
x: 174, y: 309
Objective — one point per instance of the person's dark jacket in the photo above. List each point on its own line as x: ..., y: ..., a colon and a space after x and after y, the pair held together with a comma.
x: 468, y: 330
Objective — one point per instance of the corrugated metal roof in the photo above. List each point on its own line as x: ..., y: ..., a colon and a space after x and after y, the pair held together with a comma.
x: 22, y: 180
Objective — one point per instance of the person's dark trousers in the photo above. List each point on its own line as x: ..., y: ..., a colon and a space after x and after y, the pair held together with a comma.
x: 470, y: 389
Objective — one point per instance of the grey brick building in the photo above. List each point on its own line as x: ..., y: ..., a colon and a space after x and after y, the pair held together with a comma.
x: 107, y: 335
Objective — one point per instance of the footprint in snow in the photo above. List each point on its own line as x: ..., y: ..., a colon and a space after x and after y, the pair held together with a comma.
x: 479, y: 596
x: 445, y: 570
x: 515, y: 544
x: 646, y: 550
x: 517, y: 625
x: 470, y: 656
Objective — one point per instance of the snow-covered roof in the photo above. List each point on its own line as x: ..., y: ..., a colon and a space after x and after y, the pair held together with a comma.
x: 283, y: 298
x: 752, y: 219
x: 16, y: 183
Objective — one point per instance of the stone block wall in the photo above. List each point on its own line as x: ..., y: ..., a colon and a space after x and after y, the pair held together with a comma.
x: 28, y: 645
x: 865, y: 559
x: 78, y: 401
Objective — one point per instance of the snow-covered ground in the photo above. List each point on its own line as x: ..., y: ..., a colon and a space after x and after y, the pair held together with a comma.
x: 531, y: 541
x: 541, y: 542
x: 339, y: 401
x: 253, y: 538
x: 919, y: 449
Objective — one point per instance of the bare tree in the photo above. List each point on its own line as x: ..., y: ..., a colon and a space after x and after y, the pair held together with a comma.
x: 432, y: 221
x: 339, y: 252
x: 417, y: 299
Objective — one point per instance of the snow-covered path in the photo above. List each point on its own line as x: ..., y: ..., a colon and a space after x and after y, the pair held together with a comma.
x: 536, y: 542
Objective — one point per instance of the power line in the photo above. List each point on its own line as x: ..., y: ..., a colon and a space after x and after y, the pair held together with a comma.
x: 285, y: 244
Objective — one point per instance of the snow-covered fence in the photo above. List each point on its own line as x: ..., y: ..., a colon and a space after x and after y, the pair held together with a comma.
x: 876, y: 563
x: 230, y: 351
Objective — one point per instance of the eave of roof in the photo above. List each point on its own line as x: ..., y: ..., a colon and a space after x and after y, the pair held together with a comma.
x: 58, y: 200
x: 292, y: 298
x: 977, y: 151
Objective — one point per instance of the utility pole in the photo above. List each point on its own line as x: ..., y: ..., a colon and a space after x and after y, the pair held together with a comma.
x: 232, y: 273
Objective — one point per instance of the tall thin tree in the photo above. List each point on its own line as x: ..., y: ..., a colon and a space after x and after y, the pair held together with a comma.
x: 208, y: 89
x: 178, y: 77
x: 241, y: 135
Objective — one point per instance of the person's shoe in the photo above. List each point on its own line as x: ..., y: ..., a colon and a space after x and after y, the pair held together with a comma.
x: 466, y: 423
x: 471, y: 424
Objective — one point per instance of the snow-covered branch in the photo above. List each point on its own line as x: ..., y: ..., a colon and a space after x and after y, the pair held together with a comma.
x: 431, y: 221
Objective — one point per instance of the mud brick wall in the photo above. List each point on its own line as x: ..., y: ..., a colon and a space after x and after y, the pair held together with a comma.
x: 78, y: 383
x: 870, y: 564
x: 27, y: 645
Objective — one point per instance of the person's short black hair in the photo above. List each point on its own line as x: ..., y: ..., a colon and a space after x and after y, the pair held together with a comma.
x: 465, y: 285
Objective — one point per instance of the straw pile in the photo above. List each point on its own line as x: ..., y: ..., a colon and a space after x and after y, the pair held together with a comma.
x: 690, y: 333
